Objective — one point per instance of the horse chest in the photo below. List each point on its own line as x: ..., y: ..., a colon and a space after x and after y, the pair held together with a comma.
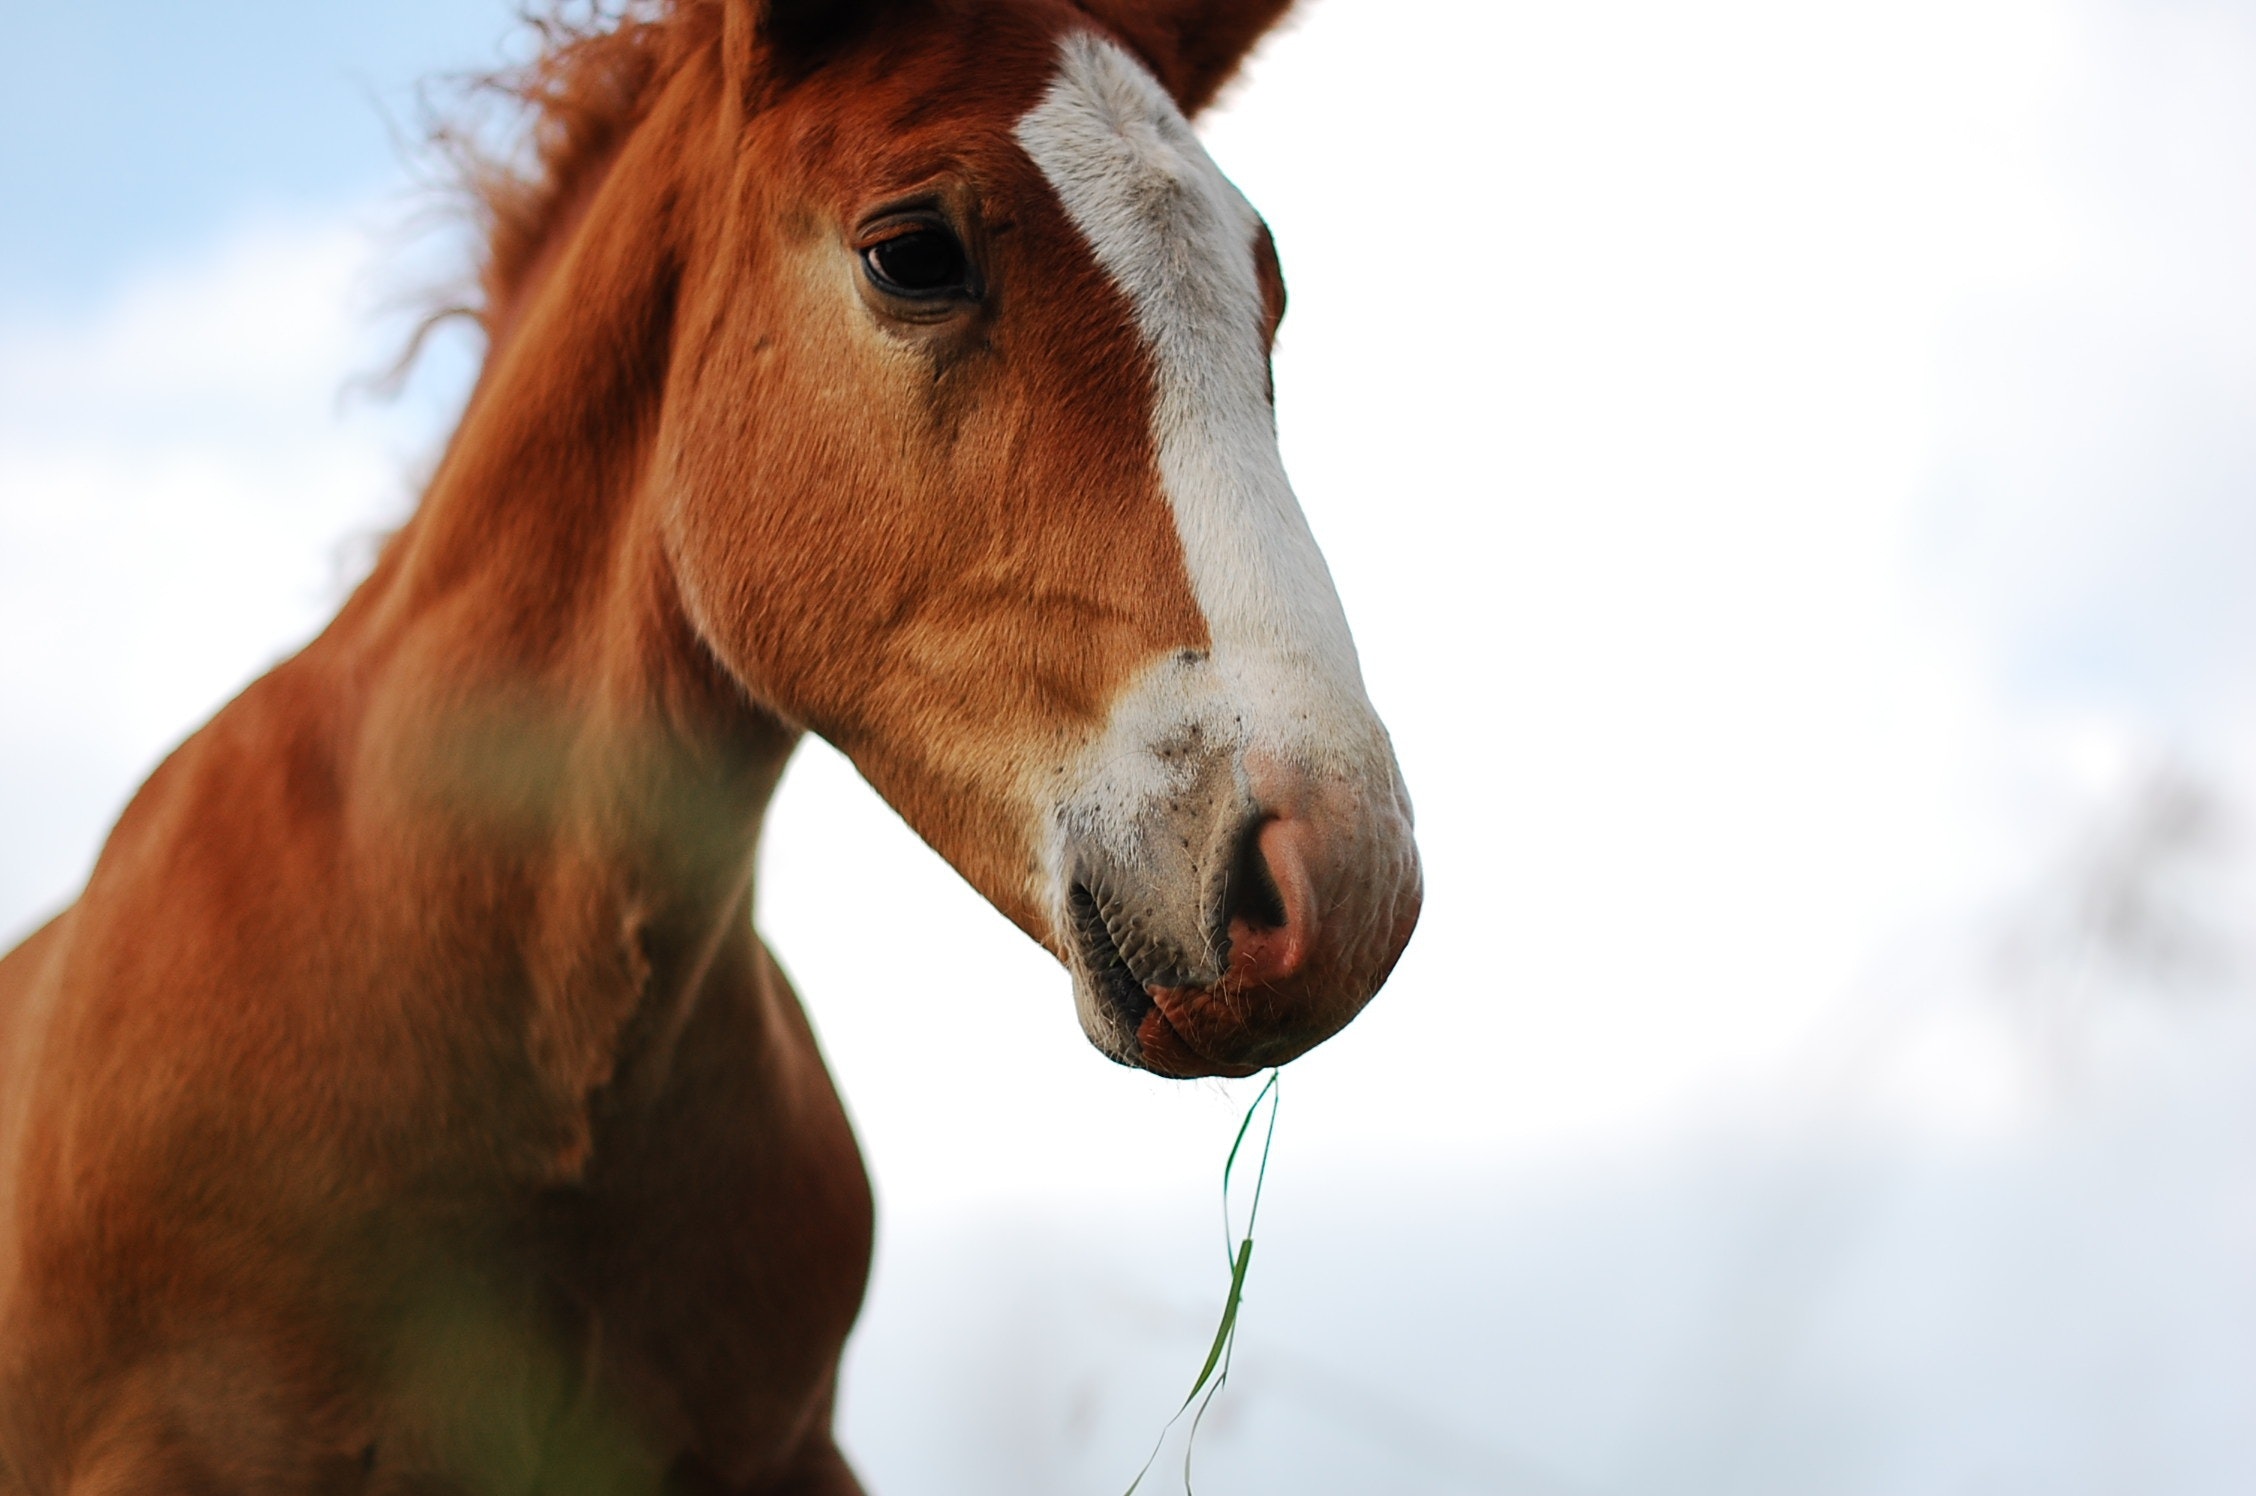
x: 720, y: 1243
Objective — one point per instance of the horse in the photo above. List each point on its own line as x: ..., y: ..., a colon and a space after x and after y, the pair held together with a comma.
x: 407, y: 1103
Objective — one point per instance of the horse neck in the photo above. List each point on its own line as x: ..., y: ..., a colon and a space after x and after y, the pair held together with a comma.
x: 552, y: 721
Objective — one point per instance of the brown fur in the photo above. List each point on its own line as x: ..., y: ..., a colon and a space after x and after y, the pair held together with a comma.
x: 407, y: 1103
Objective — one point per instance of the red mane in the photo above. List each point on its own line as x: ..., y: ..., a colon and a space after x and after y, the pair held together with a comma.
x: 592, y: 80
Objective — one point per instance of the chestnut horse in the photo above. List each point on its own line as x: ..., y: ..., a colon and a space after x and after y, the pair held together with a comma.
x: 407, y: 1104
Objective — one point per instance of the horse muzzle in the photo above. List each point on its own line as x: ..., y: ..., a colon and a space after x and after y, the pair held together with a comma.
x: 1243, y: 912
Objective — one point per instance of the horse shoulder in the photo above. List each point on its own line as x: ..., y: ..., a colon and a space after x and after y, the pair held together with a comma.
x: 21, y: 971
x: 24, y: 983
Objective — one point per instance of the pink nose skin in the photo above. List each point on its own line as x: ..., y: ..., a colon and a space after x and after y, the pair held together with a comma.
x: 1190, y: 1028
x: 1263, y: 955
x: 1306, y: 950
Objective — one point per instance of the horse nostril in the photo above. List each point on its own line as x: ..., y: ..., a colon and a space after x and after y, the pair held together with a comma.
x: 1252, y: 893
x: 1274, y: 920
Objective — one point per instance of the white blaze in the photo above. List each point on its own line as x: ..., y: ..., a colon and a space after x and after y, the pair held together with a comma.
x: 1178, y: 239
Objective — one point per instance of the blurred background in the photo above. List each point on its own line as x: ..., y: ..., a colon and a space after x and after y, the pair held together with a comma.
x: 1792, y: 471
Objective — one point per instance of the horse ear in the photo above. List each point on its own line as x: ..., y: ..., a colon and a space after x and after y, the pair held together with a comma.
x: 767, y: 42
x: 1193, y: 45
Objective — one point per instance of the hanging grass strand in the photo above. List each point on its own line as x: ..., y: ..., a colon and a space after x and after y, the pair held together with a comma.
x: 1215, y: 1374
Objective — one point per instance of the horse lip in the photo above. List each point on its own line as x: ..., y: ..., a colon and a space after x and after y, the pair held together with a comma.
x: 1117, y: 932
x: 1161, y: 1046
x: 1166, y: 1050
x: 1108, y: 970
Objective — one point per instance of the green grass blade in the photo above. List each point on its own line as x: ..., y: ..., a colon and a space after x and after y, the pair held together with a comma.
x: 1229, y: 1320
x: 1225, y: 1335
x: 1231, y: 1163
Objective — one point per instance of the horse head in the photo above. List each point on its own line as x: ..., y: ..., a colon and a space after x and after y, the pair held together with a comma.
x: 969, y: 463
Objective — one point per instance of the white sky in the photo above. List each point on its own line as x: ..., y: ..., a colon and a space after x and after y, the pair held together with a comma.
x: 1788, y: 468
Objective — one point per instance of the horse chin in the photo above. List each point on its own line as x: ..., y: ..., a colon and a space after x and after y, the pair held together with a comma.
x: 1163, y: 1049
x: 1166, y: 1030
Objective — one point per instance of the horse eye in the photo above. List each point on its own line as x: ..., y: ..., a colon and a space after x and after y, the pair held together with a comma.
x: 924, y: 262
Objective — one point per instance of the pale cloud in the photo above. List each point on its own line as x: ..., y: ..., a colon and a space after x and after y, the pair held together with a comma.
x: 183, y: 494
